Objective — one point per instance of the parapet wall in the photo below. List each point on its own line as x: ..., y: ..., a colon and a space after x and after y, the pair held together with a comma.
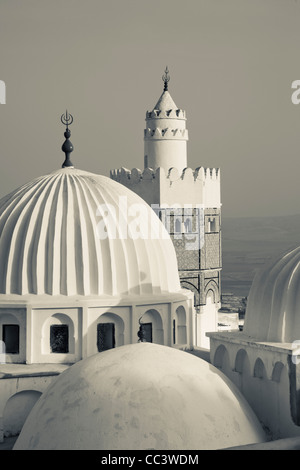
x: 171, y: 113
x: 166, y: 133
x: 199, y: 186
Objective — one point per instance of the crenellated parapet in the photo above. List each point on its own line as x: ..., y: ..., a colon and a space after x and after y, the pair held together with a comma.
x: 165, y: 133
x: 199, y: 186
x: 200, y: 173
x: 166, y: 114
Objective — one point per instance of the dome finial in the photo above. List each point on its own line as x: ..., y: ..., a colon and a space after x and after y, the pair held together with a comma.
x: 166, y: 78
x: 67, y: 146
x: 141, y: 333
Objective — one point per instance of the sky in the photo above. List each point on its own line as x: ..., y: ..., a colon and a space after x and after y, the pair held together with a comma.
x: 231, y: 62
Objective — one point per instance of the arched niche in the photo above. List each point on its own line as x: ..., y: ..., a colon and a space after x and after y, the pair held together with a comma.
x: 277, y: 371
x: 59, y: 327
x: 17, y: 409
x: 240, y: 360
x: 154, y: 329
x: 110, y: 331
x: 180, y: 326
x: 259, y: 369
x: 221, y: 358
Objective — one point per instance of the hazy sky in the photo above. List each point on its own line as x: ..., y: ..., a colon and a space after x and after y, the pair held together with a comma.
x: 231, y: 63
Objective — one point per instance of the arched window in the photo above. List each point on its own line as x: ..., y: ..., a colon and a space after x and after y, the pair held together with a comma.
x: 58, y: 336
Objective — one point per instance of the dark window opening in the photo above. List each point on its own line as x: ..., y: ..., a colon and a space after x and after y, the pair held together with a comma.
x: 11, y: 338
x: 147, y: 332
x: 105, y: 336
x: 59, y: 339
x: 174, y: 332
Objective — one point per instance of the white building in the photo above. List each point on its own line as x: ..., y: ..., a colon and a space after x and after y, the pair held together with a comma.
x: 80, y: 274
x: 262, y: 360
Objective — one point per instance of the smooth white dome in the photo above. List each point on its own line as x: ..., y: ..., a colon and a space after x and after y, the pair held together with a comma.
x: 273, y: 310
x: 140, y: 396
x: 49, y: 243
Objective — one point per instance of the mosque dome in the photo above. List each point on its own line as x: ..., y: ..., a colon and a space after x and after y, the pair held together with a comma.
x: 77, y: 233
x: 273, y: 306
x: 140, y: 396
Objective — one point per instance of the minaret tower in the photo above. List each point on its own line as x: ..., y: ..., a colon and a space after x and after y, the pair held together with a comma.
x: 188, y: 202
x: 165, y: 136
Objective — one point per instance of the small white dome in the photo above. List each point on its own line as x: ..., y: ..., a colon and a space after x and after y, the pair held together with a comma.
x: 273, y: 310
x: 50, y: 243
x: 140, y: 396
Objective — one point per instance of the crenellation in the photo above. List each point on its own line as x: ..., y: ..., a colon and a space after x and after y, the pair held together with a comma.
x: 166, y: 114
x: 207, y: 175
x: 167, y: 133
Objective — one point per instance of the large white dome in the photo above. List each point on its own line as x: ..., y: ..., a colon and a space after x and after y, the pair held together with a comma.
x: 273, y: 310
x: 50, y: 243
x: 140, y: 396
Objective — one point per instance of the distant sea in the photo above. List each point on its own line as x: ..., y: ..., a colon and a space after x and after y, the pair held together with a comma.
x: 248, y: 243
x: 237, y: 288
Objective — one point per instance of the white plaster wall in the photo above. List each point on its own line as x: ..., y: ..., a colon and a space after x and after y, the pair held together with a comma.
x: 268, y: 396
x: 206, y: 320
x: 41, y: 321
x: 166, y: 154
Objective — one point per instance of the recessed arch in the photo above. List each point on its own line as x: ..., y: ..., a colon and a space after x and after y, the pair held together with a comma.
x: 219, y: 356
x: 152, y: 317
x: 259, y: 369
x: 212, y: 291
x: 60, y: 321
x: 240, y: 360
x: 191, y: 287
x: 277, y: 371
x: 115, y: 327
x: 180, y: 335
x: 16, y: 410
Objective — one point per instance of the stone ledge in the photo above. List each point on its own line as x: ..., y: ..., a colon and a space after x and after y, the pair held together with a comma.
x: 13, y: 371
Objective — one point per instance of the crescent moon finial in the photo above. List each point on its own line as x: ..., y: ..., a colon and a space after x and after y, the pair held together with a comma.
x: 67, y: 146
x: 166, y: 78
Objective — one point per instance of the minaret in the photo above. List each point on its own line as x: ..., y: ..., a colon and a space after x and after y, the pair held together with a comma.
x: 188, y: 202
x: 165, y: 136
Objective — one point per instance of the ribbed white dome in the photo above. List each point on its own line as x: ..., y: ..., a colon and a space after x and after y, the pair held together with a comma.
x: 49, y: 242
x: 273, y: 311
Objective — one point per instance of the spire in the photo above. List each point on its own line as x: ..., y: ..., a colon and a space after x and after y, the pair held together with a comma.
x: 67, y: 146
x: 166, y: 78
